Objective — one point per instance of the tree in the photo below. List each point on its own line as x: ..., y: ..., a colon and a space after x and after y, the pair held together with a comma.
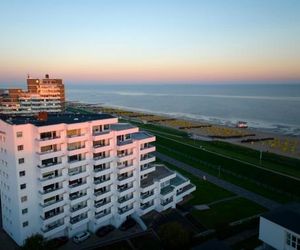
x: 174, y: 236
x: 34, y: 242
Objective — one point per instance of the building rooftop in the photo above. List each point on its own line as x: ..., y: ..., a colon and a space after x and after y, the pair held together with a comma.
x: 54, y: 119
x: 160, y: 172
x: 287, y: 216
x: 121, y: 126
x: 141, y: 135
x: 178, y: 180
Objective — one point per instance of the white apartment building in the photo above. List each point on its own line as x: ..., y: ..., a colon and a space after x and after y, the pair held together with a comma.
x: 280, y: 228
x: 67, y: 173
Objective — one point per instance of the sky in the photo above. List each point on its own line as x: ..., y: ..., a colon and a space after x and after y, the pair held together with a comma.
x: 150, y: 40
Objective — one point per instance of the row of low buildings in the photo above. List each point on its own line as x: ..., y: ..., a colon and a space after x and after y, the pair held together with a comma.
x: 66, y: 173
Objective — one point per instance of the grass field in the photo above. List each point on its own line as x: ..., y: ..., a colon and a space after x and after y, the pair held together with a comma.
x: 226, y: 212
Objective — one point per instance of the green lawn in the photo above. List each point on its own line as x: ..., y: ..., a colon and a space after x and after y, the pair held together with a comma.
x: 227, y: 212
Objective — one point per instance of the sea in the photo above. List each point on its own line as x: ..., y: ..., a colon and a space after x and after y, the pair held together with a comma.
x: 268, y: 107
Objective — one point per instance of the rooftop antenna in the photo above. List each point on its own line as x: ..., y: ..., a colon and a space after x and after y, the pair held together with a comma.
x: 28, y: 76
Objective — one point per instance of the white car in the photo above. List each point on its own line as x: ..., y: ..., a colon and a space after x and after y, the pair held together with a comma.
x: 80, y: 237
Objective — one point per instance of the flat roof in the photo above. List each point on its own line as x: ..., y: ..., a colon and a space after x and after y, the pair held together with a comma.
x: 161, y: 171
x: 54, y: 119
x: 287, y: 216
x: 141, y: 135
x: 121, y: 126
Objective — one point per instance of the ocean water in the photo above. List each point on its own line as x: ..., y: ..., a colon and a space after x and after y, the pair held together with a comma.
x: 273, y: 108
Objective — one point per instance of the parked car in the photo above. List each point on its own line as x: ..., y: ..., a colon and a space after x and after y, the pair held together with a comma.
x: 57, y: 242
x: 102, y: 231
x: 129, y: 223
x: 80, y: 237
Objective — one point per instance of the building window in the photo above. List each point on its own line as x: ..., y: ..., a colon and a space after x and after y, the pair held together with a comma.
x: 21, y: 160
x: 25, y: 223
x: 23, y: 198
x: 22, y: 173
x: 25, y: 211
x: 292, y: 241
x: 20, y: 147
x: 19, y: 134
x: 23, y: 186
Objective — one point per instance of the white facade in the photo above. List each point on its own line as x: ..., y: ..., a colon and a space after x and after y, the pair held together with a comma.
x: 60, y: 178
x: 276, y: 236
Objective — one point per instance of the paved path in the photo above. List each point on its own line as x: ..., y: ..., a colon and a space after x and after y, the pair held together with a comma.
x: 264, y: 202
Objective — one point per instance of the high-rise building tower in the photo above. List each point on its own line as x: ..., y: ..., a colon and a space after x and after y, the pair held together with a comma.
x: 62, y: 174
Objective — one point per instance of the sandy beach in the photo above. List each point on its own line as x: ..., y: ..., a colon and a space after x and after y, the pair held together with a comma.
x: 252, y: 138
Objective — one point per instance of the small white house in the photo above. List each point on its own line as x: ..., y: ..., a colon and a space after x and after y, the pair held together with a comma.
x: 280, y: 228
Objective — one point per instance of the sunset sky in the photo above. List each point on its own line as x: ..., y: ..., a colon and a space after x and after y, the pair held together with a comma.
x: 150, y: 41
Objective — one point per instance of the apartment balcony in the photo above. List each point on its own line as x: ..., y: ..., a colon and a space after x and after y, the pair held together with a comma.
x: 51, y: 180
x: 77, y: 198
x: 79, y: 210
x: 147, y: 197
x: 78, y: 163
x: 102, y: 183
x: 53, y: 229
x: 106, y: 134
x: 50, y: 167
x: 77, y: 150
x: 147, y: 149
x: 78, y: 187
x: 125, y: 201
x: 77, y: 138
x: 53, y: 217
x: 148, y: 168
x: 102, y: 195
x: 124, y: 212
x: 100, y: 206
x: 51, y: 192
x: 148, y: 159
x: 124, y: 169
x: 102, y: 148
x: 123, y: 145
x: 166, y: 204
x: 100, y: 172
x: 167, y: 192
x: 147, y: 207
x: 52, y: 204
x: 79, y: 220
x: 100, y: 218
x: 125, y: 191
x: 126, y: 157
x: 78, y: 174
x: 185, y: 190
x: 50, y: 154
x: 49, y: 141
x: 102, y: 160
x: 123, y: 180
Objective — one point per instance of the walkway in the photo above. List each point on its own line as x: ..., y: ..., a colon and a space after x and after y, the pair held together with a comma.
x: 264, y: 202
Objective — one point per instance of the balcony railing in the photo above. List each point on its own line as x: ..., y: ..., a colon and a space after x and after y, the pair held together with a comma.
x: 121, y: 143
x: 50, y: 151
x: 49, y: 138
x: 52, y: 215
x: 101, y: 181
x: 100, y: 145
x: 124, y: 199
x: 100, y: 204
x: 98, y: 193
x: 76, y: 160
x: 122, y: 178
x: 49, y: 164
x: 96, y: 170
x: 101, y: 132
x: 75, y: 148
x: 49, y: 177
x: 78, y: 218
x: 47, y: 191
x: 145, y: 206
x: 100, y: 215
x: 49, y: 203
x: 145, y: 196
x: 124, y: 210
x: 100, y: 157
x: 77, y: 184
x: 77, y: 196
x: 51, y: 227
x: 164, y: 203
x: 76, y: 172
x: 124, y: 189
x: 76, y: 208
x: 76, y: 135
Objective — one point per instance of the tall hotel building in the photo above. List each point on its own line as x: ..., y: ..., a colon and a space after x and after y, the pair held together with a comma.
x: 41, y: 95
x: 64, y: 173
